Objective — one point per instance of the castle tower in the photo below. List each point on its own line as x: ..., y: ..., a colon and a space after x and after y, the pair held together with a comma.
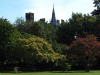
x: 29, y: 16
x: 53, y: 19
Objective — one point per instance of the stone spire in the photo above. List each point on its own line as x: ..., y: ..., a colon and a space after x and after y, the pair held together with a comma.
x: 53, y: 19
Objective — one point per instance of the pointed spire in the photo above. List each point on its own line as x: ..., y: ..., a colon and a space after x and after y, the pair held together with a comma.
x: 53, y: 9
x: 53, y: 5
x: 53, y: 19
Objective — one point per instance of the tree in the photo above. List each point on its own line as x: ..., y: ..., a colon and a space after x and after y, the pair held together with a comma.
x: 88, y: 25
x: 8, y: 37
x: 83, y: 52
x: 96, y: 13
x: 97, y: 5
x: 41, y: 29
x: 64, y: 34
x: 67, y: 30
x: 78, y: 25
x: 35, y: 53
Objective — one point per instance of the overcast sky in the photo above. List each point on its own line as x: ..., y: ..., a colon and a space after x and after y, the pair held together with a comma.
x: 11, y: 9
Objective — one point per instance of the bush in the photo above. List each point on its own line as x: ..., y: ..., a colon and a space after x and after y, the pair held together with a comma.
x: 35, y: 51
x: 84, y: 51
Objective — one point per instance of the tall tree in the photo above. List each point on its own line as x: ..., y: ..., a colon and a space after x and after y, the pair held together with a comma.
x: 97, y: 5
x: 64, y: 34
x: 67, y: 30
x: 96, y: 13
x: 8, y: 36
x: 88, y: 26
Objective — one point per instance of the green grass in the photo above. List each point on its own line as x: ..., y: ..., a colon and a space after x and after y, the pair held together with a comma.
x: 55, y: 73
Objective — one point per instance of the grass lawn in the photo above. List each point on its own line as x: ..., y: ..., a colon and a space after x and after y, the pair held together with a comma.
x: 55, y: 73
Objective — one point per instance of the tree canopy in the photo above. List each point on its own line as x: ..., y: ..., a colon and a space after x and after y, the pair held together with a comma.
x: 97, y: 5
x: 84, y: 51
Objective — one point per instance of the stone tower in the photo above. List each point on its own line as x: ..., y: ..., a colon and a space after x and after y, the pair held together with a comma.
x: 29, y: 16
x: 53, y: 19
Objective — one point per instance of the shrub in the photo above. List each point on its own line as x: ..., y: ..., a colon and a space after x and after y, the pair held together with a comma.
x: 84, y: 51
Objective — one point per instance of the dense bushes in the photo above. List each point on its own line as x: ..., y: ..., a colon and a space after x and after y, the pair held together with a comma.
x: 35, y: 50
x: 83, y: 52
x: 25, y: 51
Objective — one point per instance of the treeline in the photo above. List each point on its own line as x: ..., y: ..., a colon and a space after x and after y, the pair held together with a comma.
x: 39, y: 46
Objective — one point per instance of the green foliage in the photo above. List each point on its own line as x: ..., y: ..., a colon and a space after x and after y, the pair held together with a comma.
x: 79, y: 24
x: 59, y: 48
x: 97, y: 27
x: 64, y: 34
x: 37, y: 50
x: 8, y: 38
x: 5, y: 31
x: 19, y: 46
x: 88, y: 25
x: 76, y: 22
x: 45, y: 31
x: 97, y: 5
x: 41, y: 29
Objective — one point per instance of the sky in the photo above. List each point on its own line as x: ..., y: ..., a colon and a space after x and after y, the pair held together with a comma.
x: 13, y: 9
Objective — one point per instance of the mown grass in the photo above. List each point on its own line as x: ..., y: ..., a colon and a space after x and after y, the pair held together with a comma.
x: 55, y: 73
